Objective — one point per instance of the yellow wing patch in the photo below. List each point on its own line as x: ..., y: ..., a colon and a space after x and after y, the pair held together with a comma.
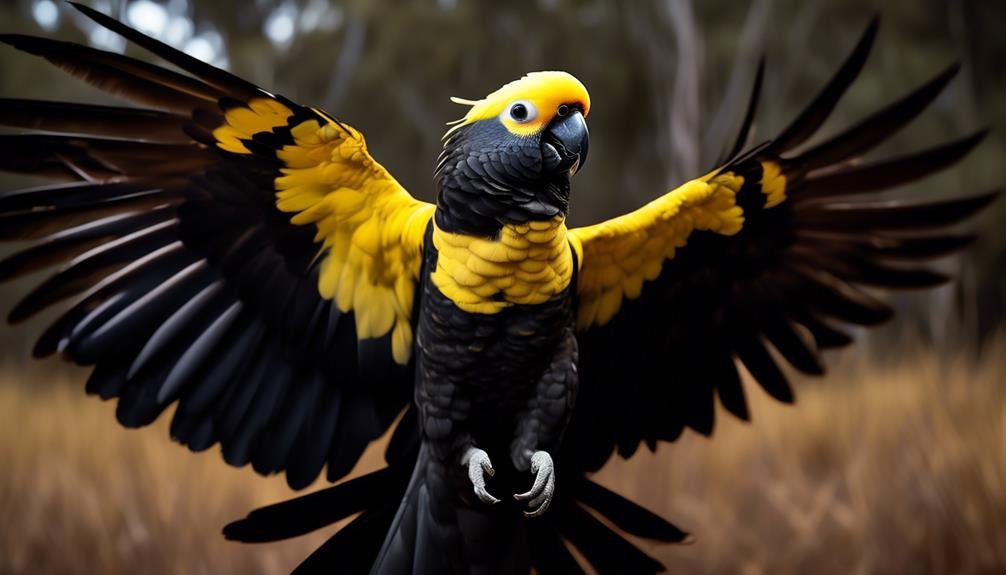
x: 618, y: 255
x: 370, y: 228
x: 773, y: 184
x: 241, y: 123
x: 528, y: 264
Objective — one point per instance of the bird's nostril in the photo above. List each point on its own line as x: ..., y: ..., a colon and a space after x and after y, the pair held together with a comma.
x: 563, y: 110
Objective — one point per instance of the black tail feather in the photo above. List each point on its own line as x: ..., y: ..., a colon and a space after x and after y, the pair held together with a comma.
x: 549, y: 555
x: 313, y: 511
x: 625, y: 514
x: 606, y: 550
x: 353, y: 547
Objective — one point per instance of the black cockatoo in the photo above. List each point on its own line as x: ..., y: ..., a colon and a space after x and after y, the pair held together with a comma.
x: 244, y: 256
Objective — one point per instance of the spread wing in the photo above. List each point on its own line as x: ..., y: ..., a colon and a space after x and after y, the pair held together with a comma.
x: 769, y: 251
x: 227, y: 249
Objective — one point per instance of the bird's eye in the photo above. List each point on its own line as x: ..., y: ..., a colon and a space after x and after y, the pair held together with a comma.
x: 522, y: 112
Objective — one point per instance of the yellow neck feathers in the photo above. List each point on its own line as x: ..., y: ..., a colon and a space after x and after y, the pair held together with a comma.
x: 529, y: 264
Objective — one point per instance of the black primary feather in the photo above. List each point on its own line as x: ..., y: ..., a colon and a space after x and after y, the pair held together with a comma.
x: 109, y: 121
x: 814, y: 115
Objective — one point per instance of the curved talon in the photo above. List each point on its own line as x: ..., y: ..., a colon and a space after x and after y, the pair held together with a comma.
x: 479, y: 465
x: 540, y: 494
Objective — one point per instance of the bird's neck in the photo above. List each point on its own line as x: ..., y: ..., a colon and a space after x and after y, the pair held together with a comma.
x: 482, y: 204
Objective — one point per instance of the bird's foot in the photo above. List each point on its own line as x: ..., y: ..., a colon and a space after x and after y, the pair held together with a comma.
x: 479, y: 466
x: 540, y: 494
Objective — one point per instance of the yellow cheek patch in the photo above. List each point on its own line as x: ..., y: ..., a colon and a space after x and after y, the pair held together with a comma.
x: 773, y: 184
x: 525, y: 129
x: 619, y: 255
x: 529, y: 264
x: 261, y: 115
x: 370, y: 229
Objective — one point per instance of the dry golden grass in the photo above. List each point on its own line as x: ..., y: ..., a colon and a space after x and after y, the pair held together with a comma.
x: 892, y: 469
x: 898, y: 468
x: 79, y: 494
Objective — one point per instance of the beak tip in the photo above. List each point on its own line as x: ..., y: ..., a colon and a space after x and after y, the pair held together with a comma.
x: 571, y: 136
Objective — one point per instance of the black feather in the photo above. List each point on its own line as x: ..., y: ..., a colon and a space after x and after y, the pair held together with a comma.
x: 132, y: 324
x: 759, y: 363
x: 178, y: 321
x: 832, y: 296
x: 889, y: 247
x: 825, y: 336
x: 853, y: 267
x: 257, y: 401
x: 313, y: 511
x: 357, y: 427
x: 70, y: 195
x: 549, y: 555
x: 310, y: 451
x: 890, y: 215
x: 243, y: 342
x: 121, y: 75
x: 820, y: 108
x: 353, y: 547
x: 780, y: 333
x: 728, y: 384
x: 222, y: 80
x: 99, y: 241
x: 875, y: 129
x: 107, y: 379
x: 138, y: 403
x: 887, y: 173
x: 198, y: 352
x: 44, y: 221
x: 404, y: 443
x: 274, y: 446
x: 749, y: 114
x: 111, y: 121
x: 99, y: 159
x: 55, y: 290
x: 625, y: 514
x: 607, y: 551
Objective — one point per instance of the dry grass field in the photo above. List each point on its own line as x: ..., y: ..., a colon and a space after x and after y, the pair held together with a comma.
x: 897, y: 468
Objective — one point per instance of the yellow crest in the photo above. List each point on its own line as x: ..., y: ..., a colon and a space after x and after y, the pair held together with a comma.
x: 541, y: 93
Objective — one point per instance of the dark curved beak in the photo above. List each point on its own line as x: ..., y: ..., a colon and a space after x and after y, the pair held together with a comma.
x: 568, y: 139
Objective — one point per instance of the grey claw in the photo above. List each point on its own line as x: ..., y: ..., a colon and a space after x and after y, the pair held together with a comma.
x: 479, y: 466
x: 540, y: 494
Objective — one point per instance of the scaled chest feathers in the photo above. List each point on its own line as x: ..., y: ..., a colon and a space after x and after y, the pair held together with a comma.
x: 527, y: 264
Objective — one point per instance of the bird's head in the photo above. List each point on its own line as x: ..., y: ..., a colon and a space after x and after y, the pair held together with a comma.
x: 509, y: 160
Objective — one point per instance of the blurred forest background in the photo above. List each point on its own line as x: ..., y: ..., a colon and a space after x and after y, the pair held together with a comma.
x: 897, y: 464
